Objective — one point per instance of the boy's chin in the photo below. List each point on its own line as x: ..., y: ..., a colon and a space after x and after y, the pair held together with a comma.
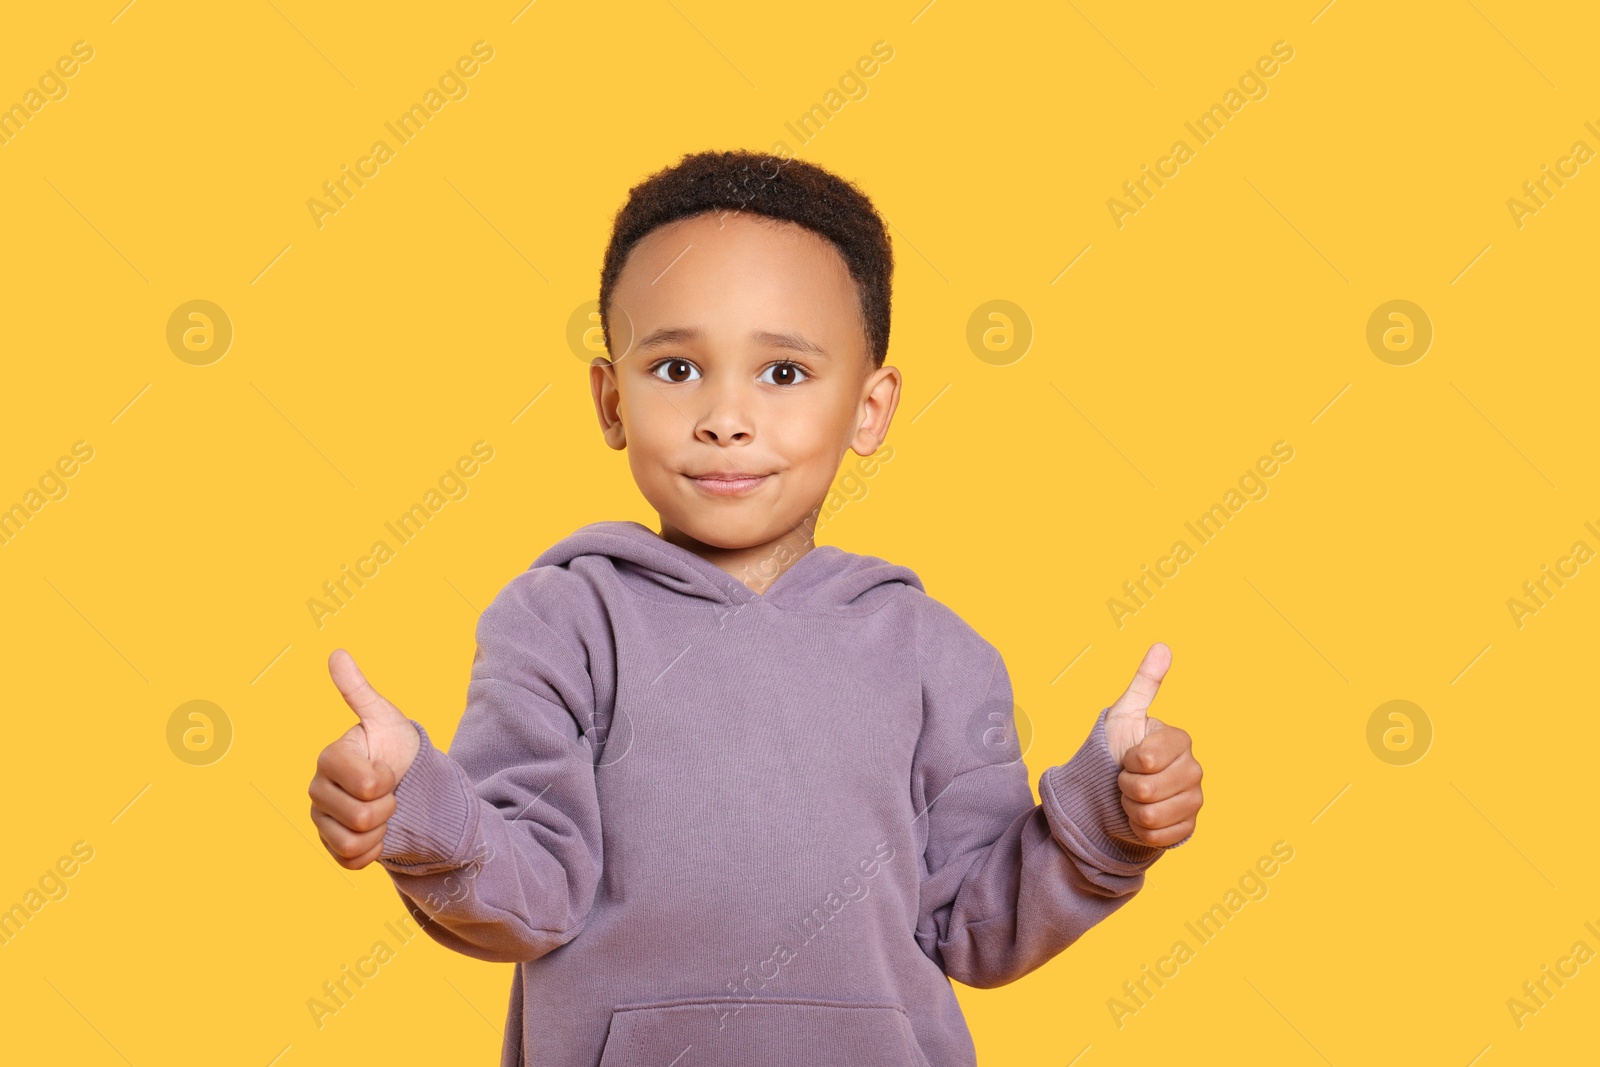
x: 726, y: 531
x: 729, y: 528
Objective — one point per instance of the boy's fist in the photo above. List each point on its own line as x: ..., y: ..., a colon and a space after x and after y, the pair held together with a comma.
x: 352, y: 795
x: 1160, y: 779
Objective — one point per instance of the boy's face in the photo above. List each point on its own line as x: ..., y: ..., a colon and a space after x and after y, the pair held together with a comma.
x: 703, y: 385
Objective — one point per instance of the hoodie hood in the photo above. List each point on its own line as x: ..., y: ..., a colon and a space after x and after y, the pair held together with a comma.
x: 826, y: 580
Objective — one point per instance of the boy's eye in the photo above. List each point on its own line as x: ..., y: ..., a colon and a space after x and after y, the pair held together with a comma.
x: 674, y: 368
x: 681, y: 370
x: 788, y: 370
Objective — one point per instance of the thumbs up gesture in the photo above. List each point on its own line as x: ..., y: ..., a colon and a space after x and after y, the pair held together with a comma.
x: 352, y: 795
x: 1160, y: 779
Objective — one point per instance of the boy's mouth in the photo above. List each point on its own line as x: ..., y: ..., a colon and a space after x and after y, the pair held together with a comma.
x: 728, y: 483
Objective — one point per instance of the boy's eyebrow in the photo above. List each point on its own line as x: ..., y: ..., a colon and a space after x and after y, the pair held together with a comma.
x: 796, y: 342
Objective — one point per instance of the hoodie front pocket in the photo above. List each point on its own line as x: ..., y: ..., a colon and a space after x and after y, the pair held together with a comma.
x: 724, y: 1032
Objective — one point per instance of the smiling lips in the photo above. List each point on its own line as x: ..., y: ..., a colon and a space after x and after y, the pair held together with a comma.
x: 728, y: 483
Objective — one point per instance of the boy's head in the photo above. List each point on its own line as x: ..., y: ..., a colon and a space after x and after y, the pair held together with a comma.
x: 744, y: 302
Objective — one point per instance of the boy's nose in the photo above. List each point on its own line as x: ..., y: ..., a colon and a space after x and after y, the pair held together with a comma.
x: 726, y: 420
x: 718, y: 431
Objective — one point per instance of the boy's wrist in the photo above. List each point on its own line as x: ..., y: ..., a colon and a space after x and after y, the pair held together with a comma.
x: 434, y: 806
x: 1084, y: 800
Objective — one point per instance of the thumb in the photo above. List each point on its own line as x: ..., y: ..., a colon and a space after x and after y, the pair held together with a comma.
x: 1135, y: 700
x: 368, y: 704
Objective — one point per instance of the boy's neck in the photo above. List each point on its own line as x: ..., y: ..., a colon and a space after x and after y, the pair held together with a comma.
x: 757, y: 566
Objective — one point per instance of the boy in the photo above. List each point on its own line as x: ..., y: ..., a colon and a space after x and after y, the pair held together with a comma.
x: 726, y: 796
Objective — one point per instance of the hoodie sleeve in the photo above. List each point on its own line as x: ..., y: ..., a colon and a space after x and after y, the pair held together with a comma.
x: 1008, y: 883
x: 495, y: 845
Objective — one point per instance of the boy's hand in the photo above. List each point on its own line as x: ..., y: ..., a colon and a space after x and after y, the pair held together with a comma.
x: 352, y: 795
x: 1160, y: 779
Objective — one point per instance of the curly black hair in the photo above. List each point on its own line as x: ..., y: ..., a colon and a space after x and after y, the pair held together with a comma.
x: 773, y: 186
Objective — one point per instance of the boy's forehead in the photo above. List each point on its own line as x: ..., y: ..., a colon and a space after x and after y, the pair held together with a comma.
x: 748, y: 239
x: 739, y: 272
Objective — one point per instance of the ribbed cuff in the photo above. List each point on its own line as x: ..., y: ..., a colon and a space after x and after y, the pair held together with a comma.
x: 434, y: 806
x: 1084, y: 803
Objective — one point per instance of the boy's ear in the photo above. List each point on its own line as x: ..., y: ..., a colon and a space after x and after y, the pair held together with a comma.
x: 607, y: 400
x: 880, y: 395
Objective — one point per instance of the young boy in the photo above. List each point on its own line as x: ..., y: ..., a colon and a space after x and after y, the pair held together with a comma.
x: 726, y: 796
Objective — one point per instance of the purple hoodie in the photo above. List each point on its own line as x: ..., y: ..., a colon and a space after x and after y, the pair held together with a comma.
x: 714, y: 827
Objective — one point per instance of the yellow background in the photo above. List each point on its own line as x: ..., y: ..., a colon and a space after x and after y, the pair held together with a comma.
x: 1229, y: 313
